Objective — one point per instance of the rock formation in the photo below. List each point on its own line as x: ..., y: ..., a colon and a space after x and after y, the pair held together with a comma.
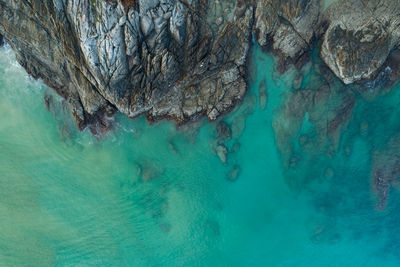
x: 182, y: 59
x: 360, y: 36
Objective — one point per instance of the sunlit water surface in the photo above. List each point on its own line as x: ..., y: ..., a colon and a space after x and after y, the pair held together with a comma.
x: 152, y: 195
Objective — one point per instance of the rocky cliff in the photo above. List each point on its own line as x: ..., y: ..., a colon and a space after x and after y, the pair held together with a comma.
x: 181, y: 59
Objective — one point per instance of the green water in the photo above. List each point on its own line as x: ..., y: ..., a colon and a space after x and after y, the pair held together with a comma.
x: 152, y: 195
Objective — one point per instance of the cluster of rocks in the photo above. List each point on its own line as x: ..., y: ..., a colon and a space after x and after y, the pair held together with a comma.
x: 226, y: 144
x: 182, y: 59
x: 160, y: 58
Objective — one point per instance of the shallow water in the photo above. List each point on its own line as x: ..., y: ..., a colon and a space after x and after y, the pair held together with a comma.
x: 154, y: 195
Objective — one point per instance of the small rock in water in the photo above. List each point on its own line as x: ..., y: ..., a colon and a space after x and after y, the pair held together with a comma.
x: 234, y: 173
x: 224, y: 130
x: 263, y: 97
x: 222, y: 152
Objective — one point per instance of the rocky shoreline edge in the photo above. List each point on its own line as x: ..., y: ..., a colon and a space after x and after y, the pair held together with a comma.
x: 180, y: 59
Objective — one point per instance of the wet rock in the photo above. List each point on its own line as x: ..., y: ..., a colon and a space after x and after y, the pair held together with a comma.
x: 141, y: 57
x: 289, y: 25
x: 234, y: 173
x: 1, y: 40
x: 222, y: 152
x: 183, y: 60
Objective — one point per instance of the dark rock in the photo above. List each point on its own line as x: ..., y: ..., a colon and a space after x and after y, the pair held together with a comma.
x: 1, y: 40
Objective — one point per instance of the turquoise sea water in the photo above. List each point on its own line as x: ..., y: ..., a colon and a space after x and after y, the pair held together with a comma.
x: 154, y: 195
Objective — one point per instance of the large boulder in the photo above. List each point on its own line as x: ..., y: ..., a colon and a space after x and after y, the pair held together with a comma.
x: 360, y: 36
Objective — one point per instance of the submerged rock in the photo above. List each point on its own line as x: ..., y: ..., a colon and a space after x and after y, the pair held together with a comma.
x: 148, y: 170
x: 385, y: 171
x: 234, y: 173
x: 222, y: 152
x: 262, y: 94
x: 224, y: 130
x: 238, y: 125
